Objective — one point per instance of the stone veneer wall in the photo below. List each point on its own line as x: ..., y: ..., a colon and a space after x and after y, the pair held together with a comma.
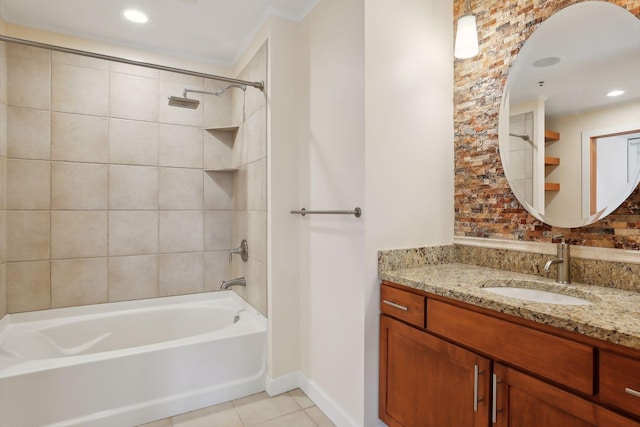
x: 484, y: 203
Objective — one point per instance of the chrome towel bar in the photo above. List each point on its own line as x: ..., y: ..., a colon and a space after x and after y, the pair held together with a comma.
x: 356, y: 212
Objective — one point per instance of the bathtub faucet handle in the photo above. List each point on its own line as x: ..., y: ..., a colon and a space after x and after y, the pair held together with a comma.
x: 242, y: 250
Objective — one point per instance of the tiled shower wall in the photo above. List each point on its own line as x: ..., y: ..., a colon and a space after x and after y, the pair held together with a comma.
x: 484, y: 203
x: 107, y: 194
x: 250, y: 184
x: 3, y: 179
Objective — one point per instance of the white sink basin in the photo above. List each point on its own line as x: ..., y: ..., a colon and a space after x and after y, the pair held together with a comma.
x: 536, y: 295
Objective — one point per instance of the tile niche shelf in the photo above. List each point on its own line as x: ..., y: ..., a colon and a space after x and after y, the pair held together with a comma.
x: 218, y: 148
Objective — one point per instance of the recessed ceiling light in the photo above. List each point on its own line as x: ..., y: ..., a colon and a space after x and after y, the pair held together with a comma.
x: 136, y: 16
x: 615, y: 93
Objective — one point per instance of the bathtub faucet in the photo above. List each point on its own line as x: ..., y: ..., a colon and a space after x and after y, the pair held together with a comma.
x: 242, y: 250
x: 240, y: 281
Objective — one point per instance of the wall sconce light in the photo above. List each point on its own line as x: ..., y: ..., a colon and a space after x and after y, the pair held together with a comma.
x: 466, y: 45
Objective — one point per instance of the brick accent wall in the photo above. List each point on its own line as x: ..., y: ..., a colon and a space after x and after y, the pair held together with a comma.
x: 484, y: 203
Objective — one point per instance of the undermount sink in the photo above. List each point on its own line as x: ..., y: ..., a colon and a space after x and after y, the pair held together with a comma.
x: 528, y: 292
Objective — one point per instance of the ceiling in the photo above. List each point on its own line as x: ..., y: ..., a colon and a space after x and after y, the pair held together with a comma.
x: 212, y: 31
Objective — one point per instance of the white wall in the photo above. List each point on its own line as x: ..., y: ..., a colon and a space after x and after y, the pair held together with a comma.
x: 409, y: 145
x: 332, y: 177
x: 361, y: 108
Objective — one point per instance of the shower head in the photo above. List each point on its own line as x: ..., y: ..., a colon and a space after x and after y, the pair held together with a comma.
x: 183, y: 102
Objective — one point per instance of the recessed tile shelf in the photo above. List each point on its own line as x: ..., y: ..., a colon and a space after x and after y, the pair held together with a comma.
x: 218, y: 148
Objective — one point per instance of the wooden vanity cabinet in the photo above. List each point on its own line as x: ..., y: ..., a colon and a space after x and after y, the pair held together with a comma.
x: 427, y: 381
x: 524, y: 401
x: 465, y: 367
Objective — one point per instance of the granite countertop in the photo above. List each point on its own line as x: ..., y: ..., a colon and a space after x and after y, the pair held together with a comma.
x: 613, y: 315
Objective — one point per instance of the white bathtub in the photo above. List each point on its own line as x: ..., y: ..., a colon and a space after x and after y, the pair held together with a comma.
x: 128, y: 363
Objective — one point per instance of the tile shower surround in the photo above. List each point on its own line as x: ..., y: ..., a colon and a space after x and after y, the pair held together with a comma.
x: 484, y: 203
x: 107, y: 196
x: 3, y: 181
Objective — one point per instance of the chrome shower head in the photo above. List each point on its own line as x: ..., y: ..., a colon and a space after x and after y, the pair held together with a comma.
x: 183, y: 102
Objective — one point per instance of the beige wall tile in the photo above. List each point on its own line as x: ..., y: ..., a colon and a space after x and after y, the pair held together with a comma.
x: 181, y: 231
x: 79, y: 60
x: 3, y: 290
x: 133, y: 187
x: 3, y: 236
x: 217, y: 230
x: 78, y: 282
x: 240, y: 189
x: 255, y: 136
x: 257, y: 234
x: 28, y: 184
x: 133, y: 142
x: 78, y: 234
x: 29, y: 83
x: 181, y: 189
x: 176, y: 115
x: 133, y: 232
x: 28, y: 133
x: 256, y: 273
x: 79, y: 90
x: 180, y: 146
x: 218, y: 149
x: 119, y: 67
x: 257, y: 186
x: 133, y: 277
x: 79, y: 138
x: 217, y: 109
x: 79, y: 186
x: 3, y: 72
x: 218, y: 190
x: 133, y: 97
x: 181, y: 273
x: 3, y: 182
x: 255, y: 70
x: 28, y: 286
x: 3, y: 128
x: 216, y: 269
x: 15, y: 50
x: 28, y: 235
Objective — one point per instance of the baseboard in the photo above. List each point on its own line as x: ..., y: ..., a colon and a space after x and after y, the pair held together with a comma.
x: 284, y: 383
x: 326, y: 404
x: 322, y: 400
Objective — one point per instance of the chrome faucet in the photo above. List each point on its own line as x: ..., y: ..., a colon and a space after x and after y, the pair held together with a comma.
x: 240, y: 281
x: 242, y: 250
x: 563, y: 260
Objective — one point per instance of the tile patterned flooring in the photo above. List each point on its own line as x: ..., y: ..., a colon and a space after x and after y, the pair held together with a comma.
x: 292, y: 409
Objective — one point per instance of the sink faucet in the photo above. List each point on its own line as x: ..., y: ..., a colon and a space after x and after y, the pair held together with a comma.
x: 240, y: 281
x: 563, y: 261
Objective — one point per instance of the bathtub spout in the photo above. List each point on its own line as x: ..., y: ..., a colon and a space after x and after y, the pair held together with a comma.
x: 240, y: 281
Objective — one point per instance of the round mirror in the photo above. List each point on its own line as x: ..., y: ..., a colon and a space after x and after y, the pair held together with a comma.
x: 569, y: 126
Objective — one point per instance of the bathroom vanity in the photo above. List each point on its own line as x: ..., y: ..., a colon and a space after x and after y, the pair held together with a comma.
x: 454, y: 354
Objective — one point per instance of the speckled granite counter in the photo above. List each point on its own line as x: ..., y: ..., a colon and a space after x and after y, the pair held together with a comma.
x: 613, y: 315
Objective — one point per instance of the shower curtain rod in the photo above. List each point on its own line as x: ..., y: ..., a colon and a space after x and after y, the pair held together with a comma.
x: 257, y: 85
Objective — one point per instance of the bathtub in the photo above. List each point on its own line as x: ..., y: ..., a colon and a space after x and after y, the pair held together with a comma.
x: 128, y: 363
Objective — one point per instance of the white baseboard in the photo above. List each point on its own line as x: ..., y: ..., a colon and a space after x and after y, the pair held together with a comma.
x: 322, y: 400
x: 284, y: 383
x: 326, y: 404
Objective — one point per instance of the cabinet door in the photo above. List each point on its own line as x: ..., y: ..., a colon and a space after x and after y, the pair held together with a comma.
x: 428, y: 382
x: 523, y: 401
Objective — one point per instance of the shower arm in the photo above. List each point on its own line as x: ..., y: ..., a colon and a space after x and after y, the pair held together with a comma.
x: 184, y: 94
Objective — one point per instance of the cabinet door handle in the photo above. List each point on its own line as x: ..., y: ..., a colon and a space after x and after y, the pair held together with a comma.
x: 632, y: 392
x: 494, y: 405
x: 476, y: 373
x: 393, y: 304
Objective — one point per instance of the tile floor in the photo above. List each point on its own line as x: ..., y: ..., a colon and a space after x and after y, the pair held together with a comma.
x: 292, y: 409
